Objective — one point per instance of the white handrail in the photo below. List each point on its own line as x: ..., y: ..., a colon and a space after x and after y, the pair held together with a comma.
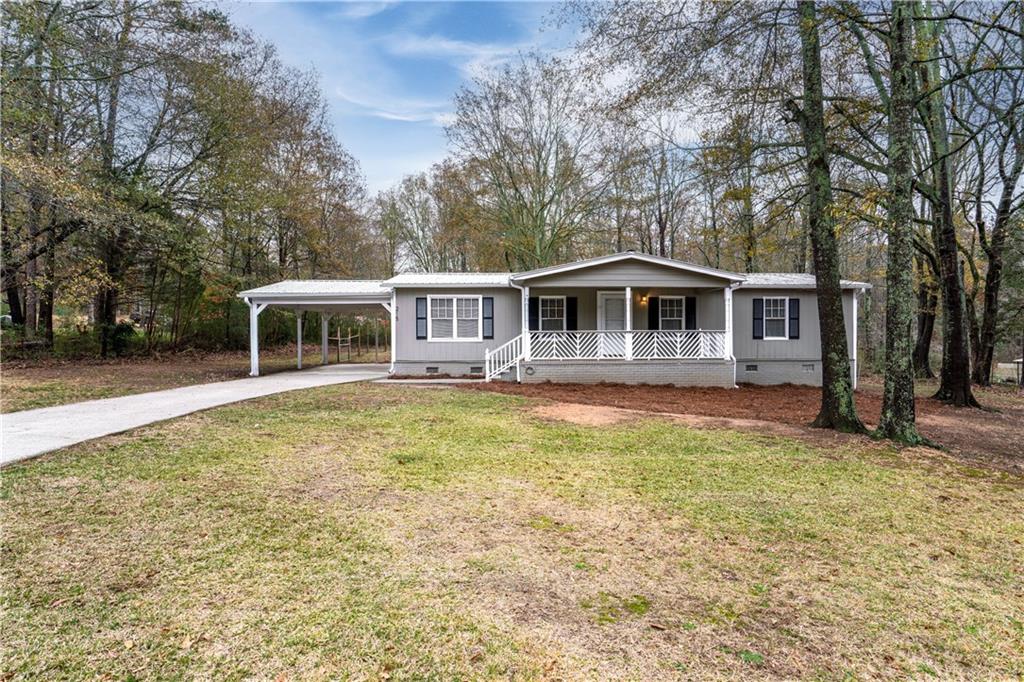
x: 501, y: 358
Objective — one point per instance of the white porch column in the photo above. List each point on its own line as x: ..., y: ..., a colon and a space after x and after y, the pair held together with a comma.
x: 629, y: 323
x: 298, y: 339
x: 254, y: 336
x: 325, y: 318
x: 728, y: 322
x: 393, y: 310
x: 527, y: 354
x: 856, y: 361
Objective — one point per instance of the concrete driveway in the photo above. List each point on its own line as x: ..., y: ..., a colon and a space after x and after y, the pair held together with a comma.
x: 33, y: 432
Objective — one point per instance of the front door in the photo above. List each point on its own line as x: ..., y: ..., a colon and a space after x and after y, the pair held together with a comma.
x: 611, y: 317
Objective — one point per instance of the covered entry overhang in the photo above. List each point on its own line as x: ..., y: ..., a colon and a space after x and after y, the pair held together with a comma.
x: 326, y: 297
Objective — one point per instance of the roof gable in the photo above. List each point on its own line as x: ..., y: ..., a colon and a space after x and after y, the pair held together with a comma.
x: 625, y: 257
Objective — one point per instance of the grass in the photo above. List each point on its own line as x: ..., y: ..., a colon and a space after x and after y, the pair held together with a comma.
x: 389, y: 532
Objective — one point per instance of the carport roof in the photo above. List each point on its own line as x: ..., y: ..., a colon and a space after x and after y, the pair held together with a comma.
x: 320, y: 290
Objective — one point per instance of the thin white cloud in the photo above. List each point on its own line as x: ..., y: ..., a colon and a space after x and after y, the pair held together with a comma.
x: 470, y: 58
x: 363, y: 10
x: 382, y: 104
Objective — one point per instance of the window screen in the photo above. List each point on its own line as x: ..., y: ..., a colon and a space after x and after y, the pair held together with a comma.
x: 454, y: 318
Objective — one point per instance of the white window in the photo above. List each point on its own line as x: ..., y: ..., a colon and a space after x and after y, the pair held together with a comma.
x: 552, y: 313
x: 671, y: 311
x: 775, y: 318
x: 454, y: 318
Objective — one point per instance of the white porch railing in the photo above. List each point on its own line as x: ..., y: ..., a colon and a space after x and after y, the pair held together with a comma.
x: 691, y: 344
x: 501, y: 358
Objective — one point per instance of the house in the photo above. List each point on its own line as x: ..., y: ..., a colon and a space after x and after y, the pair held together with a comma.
x: 627, y: 317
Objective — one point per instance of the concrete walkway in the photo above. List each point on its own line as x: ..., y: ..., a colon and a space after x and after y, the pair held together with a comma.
x: 33, y: 432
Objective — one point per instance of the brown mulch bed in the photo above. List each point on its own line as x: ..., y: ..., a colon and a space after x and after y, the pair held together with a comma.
x: 983, y: 437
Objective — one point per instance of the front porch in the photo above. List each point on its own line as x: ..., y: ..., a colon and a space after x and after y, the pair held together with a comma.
x: 643, y: 332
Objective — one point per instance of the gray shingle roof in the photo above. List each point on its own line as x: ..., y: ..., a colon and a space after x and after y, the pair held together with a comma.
x: 790, y: 280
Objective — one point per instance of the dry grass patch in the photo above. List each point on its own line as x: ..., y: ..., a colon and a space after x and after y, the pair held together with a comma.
x: 385, y: 531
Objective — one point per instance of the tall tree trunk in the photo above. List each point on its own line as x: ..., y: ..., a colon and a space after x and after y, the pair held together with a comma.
x: 898, y: 421
x: 837, y: 406
x: 113, y: 249
x: 994, y: 248
x: 47, y: 293
x: 955, y: 378
x: 8, y: 275
x: 927, y: 301
x: 749, y: 238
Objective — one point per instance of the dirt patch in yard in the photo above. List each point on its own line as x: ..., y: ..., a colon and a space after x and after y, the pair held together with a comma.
x: 983, y: 437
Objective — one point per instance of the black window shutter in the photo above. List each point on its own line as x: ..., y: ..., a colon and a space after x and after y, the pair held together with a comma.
x: 653, y: 313
x: 691, y: 312
x: 758, y: 318
x: 421, y: 318
x: 534, y: 314
x: 571, y: 308
x: 794, y: 318
x: 488, y: 317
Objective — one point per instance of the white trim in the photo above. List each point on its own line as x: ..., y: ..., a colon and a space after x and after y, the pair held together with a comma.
x: 600, y: 309
x: 785, y: 317
x: 629, y: 323
x: 856, y: 364
x: 628, y: 255
x: 298, y: 339
x: 682, y: 320
x: 728, y: 326
x: 524, y: 318
x: 455, y: 320
x: 318, y: 303
x: 254, y: 336
x: 393, y: 309
x: 325, y: 319
x: 540, y: 314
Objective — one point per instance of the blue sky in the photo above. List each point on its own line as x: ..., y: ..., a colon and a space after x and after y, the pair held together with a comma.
x: 389, y: 70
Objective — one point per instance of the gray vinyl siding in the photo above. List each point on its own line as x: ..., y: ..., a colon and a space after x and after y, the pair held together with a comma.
x: 710, y: 303
x: 807, y: 347
x: 586, y: 303
x: 626, y: 273
x: 411, y: 352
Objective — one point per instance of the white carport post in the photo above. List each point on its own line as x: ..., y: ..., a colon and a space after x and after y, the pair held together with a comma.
x: 392, y: 309
x: 254, y: 336
x: 298, y: 339
x: 325, y: 318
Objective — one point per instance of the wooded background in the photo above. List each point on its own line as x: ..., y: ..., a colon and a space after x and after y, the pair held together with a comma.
x: 158, y: 159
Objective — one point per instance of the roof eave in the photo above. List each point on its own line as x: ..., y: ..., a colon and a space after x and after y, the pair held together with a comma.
x: 616, y: 257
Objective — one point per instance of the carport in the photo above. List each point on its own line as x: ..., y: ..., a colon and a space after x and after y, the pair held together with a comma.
x: 326, y: 297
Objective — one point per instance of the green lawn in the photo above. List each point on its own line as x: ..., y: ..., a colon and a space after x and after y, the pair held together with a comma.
x: 372, y: 532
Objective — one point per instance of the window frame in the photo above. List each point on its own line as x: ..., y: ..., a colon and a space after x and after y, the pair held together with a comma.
x: 455, y: 338
x: 682, y: 313
x: 785, y: 317
x: 541, y: 318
